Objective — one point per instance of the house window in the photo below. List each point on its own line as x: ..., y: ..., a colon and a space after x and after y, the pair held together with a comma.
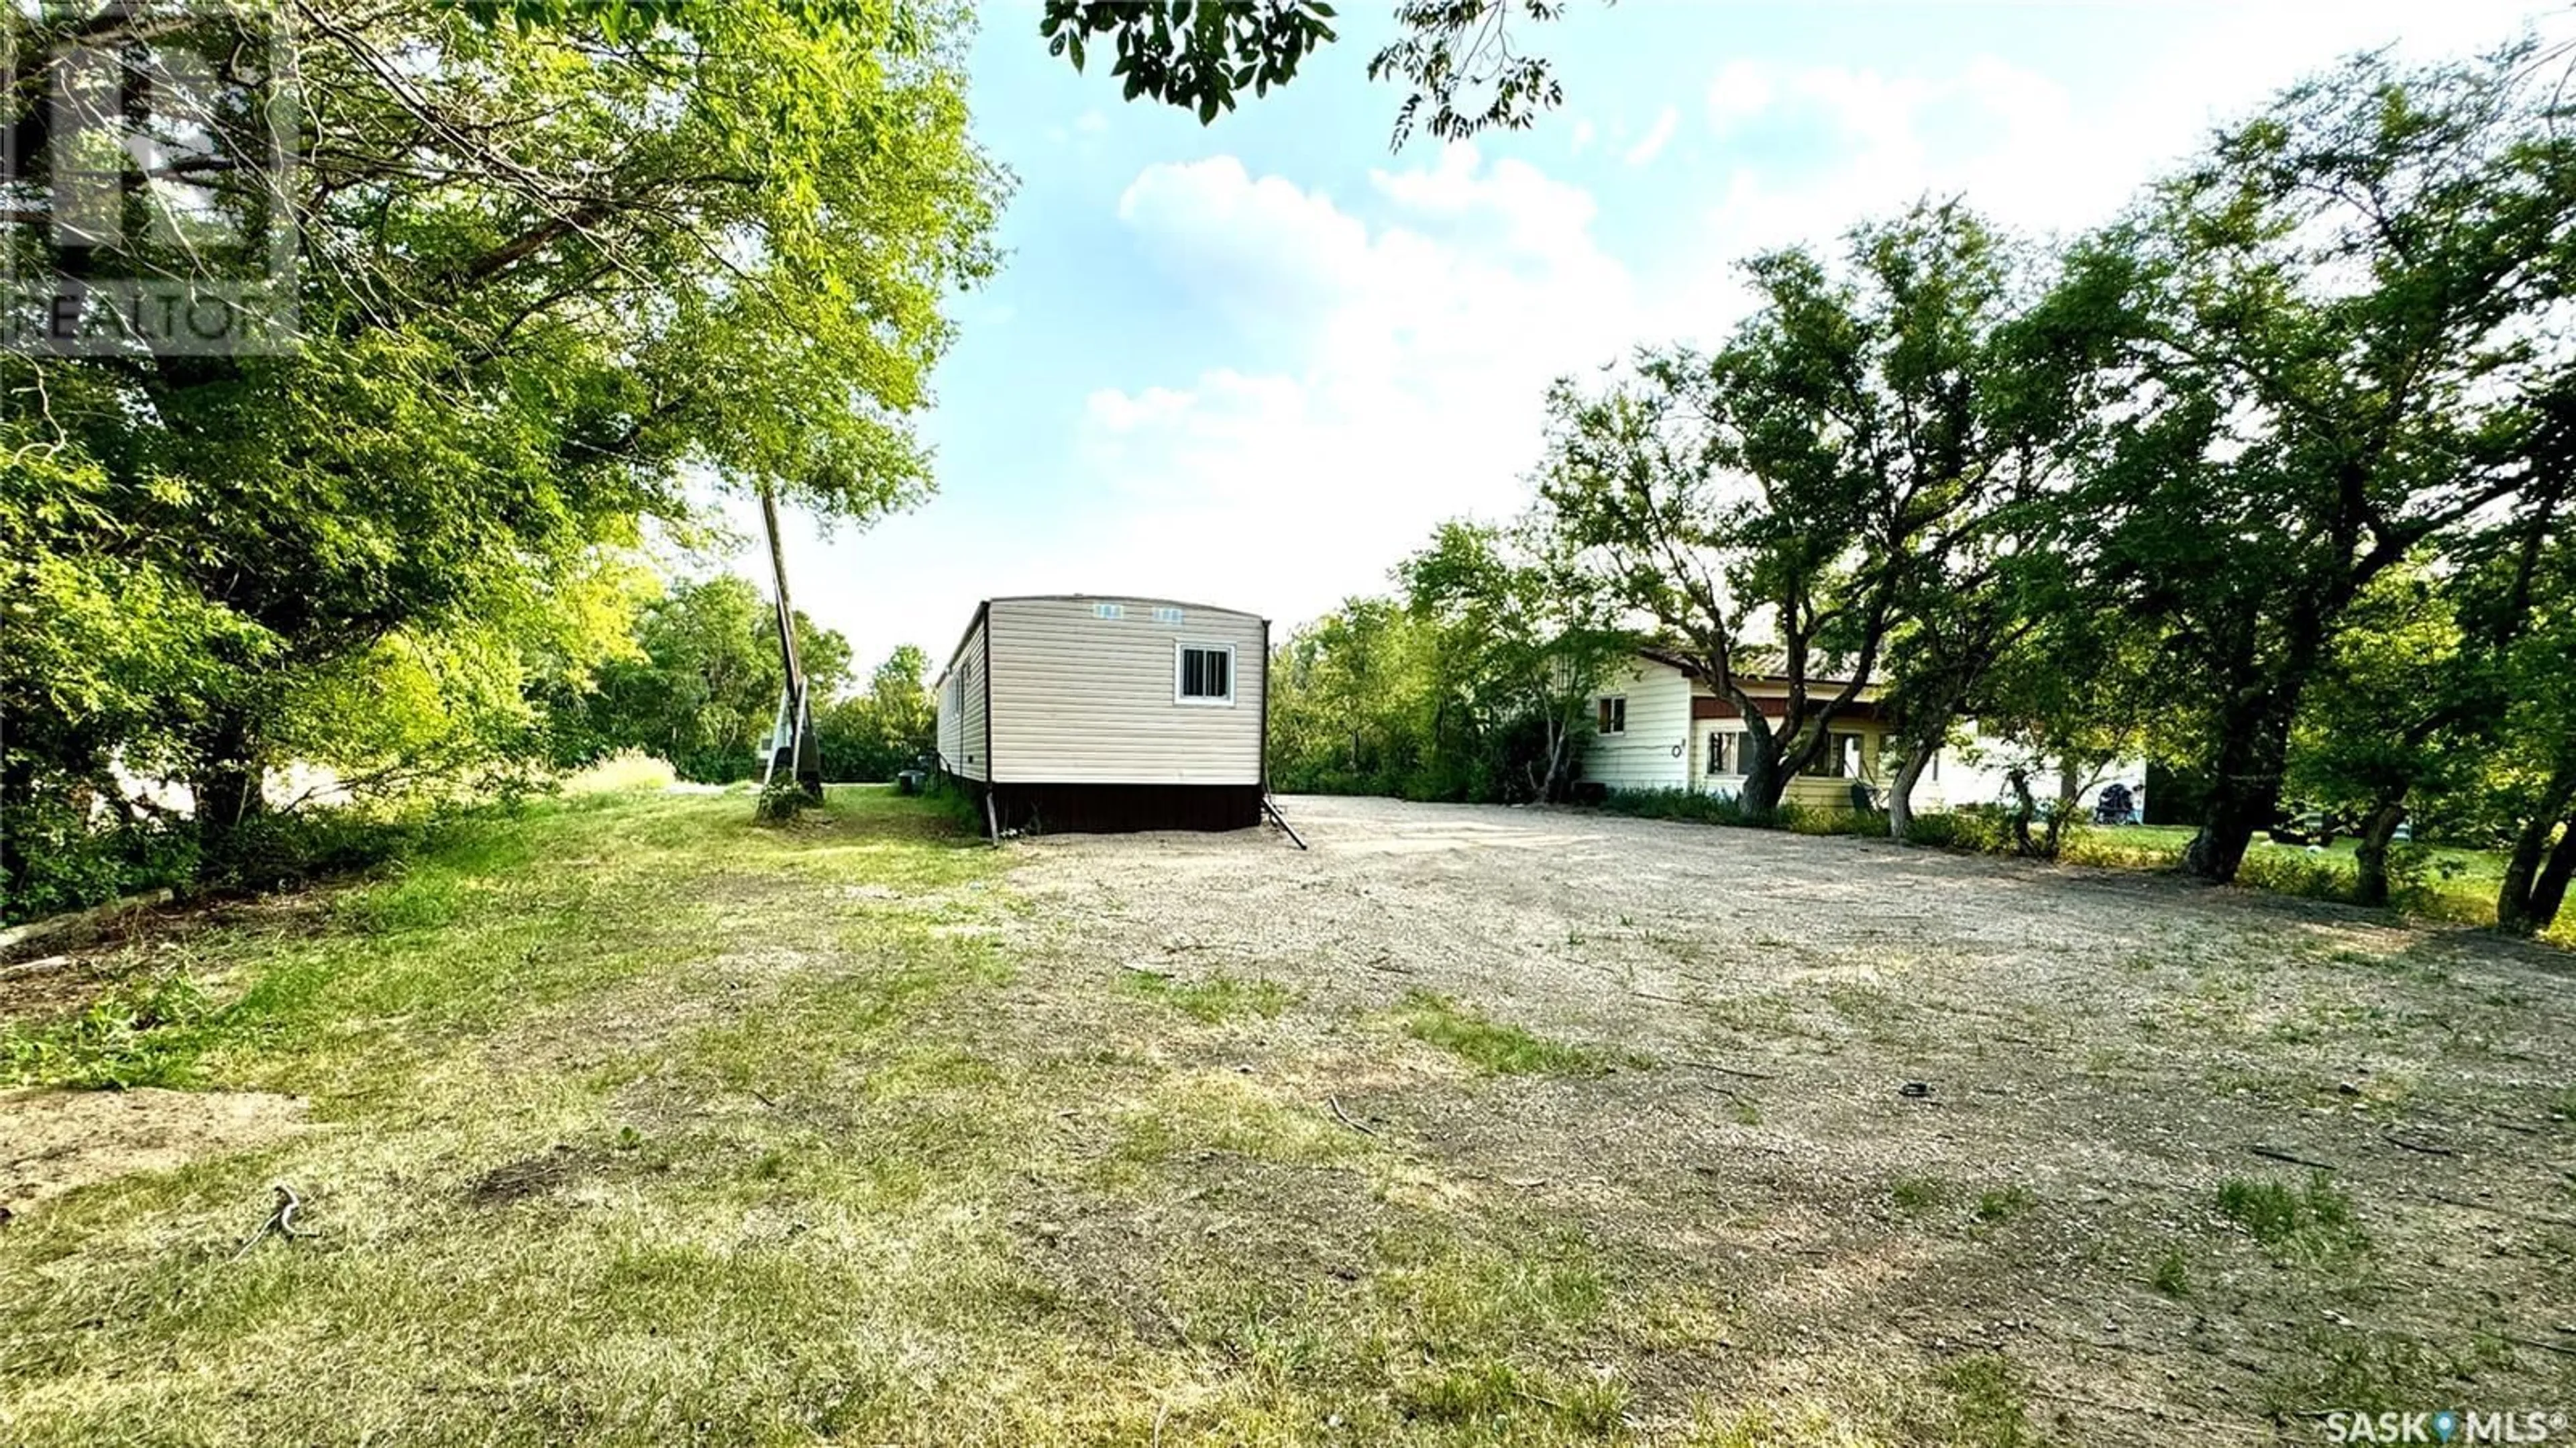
x: 1204, y: 674
x: 1717, y: 754
x: 1167, y: 615
x: 1840, y: 759
x: 1108, y: 610
x: 1614, y: 715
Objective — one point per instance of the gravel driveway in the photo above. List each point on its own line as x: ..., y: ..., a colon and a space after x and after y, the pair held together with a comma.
x: 1892, y: 1106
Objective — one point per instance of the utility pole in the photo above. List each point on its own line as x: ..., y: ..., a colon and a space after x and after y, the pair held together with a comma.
x: 792, y: 745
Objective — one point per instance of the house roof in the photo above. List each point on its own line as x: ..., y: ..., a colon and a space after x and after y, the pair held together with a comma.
x: 1674, y: 659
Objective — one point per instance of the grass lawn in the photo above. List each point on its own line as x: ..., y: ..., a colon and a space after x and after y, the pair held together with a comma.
x: 626, y: 1120
x: 2453, y: 884
x: 631, y: 1121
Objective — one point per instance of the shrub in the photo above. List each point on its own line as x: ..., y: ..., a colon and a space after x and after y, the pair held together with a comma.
x: 64, y: 859
x: 144, y: 1033
x: 1973, y: 830
x: 1690, y: 804
x: 274, y: 852
x: 1867, y: 824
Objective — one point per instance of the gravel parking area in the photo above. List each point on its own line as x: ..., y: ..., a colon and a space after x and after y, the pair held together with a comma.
x: 2140, y: 1151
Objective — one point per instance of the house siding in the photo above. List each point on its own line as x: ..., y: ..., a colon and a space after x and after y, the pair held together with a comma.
x: 1079, y: 699
x: 962, y: 734
x: 1659, y: 721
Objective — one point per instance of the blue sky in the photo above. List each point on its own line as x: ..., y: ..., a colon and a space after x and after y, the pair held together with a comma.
x: 1252, y: 364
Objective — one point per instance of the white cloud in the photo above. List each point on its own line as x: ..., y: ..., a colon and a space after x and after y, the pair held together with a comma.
x: 1655, y: 138
x: 1583, y: 136
x: 1421, y: 349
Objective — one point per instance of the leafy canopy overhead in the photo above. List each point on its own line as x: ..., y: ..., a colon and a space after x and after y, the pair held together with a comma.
x: 1456, y: 57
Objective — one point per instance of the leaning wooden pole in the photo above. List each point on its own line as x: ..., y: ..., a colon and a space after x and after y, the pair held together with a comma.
x: 792, y: 743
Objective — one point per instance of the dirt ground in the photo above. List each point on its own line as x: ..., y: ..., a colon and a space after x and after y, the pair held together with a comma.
x: 1884, y: 1109
x: 54, y: 1141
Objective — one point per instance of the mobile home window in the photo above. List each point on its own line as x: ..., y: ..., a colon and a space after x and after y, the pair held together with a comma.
x: 1167, y: 615
x: 1614, y: 716
x: 1108, y: 610
x: 1206, y: 674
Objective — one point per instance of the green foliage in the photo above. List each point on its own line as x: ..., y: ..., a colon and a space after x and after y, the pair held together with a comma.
x: 2330, y: 314
x: 2172, y: 1274
x: 2002, y: 1204
x: 876, y: 734
x: 142, y: 1033
x: 394, y: 552
x: 1772, y: 505
x: 1476, y: 684
x: 1199, y: 55
x: 1194, y: 54
x: 702, y: 689
x: 1692, y: 804
x: 1988, y: 1404
x: 1974, y: 830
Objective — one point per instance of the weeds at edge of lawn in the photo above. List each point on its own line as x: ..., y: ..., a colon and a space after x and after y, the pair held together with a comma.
x: 1499, y: 1046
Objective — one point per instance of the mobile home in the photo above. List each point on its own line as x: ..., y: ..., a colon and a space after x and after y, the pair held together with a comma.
x: 1104, y: 712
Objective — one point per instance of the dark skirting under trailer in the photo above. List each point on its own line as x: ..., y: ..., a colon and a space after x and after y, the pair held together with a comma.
x: 1124, y: 808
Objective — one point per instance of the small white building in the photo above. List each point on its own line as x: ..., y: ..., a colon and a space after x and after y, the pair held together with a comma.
x: 1659, y: 725
x: 1103, y: 712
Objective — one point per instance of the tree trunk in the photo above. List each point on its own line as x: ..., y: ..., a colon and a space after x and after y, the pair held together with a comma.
x: 1900, y: 792
x: 2371, y: 852
x: 17, y: 791
x: 2549, y: 892
x: 227, y: 789
x: 1764, y: 780
x: 2244, y: 793
x: 2070, y: 792
x: 2527, y: 873
x: 2024, y: 809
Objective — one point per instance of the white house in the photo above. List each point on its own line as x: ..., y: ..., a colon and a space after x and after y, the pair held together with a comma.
x: 1658, y: 724
x: 1103, y: 713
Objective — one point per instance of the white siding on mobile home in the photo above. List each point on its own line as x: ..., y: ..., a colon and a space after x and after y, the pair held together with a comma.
x: 1651, y: 750
x: 1087, y: 690
x: 961, y: 708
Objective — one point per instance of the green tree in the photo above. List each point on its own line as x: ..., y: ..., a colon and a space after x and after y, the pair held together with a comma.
x: 702, y: 691
x: 1519, y: 644
x: 1771, y: 506
x: 2534, y: 769
x: 1457, y: 57
x: 1354, y: 696
x: 879, y: 731
x: 551, y: 267
x: 2332, y: 366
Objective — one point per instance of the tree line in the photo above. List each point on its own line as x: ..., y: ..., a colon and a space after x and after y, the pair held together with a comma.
x: 2266, y: 479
